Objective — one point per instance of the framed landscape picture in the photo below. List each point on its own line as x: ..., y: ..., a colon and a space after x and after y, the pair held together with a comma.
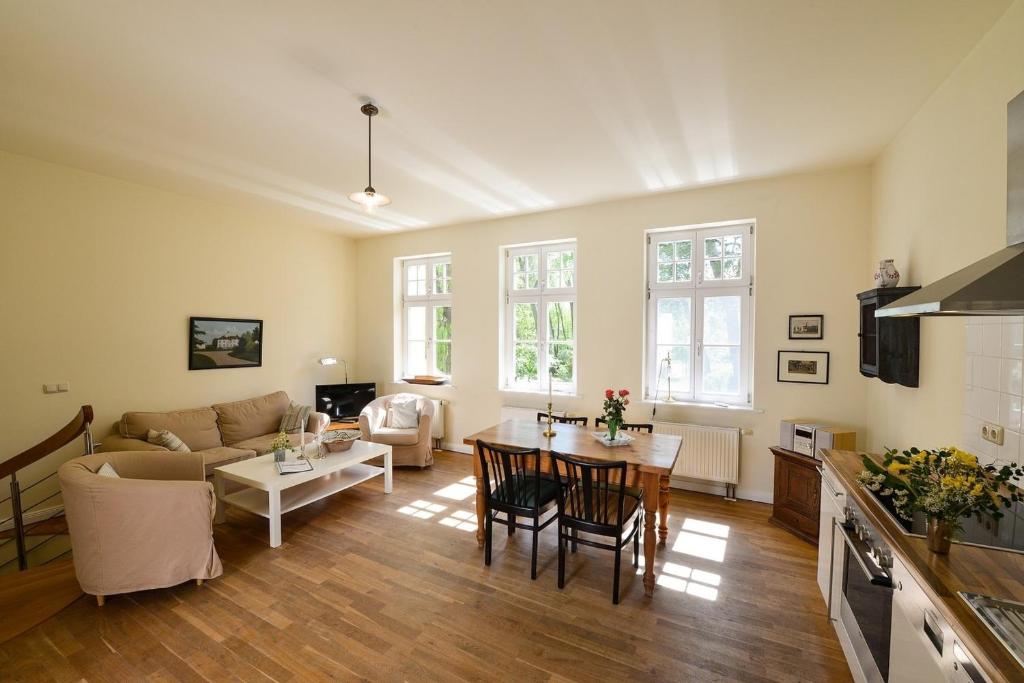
x: 803, y: 367
x: 217, y: 343
x: 807, y: 326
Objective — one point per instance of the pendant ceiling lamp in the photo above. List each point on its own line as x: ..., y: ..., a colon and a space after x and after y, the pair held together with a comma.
x: 369, y: 197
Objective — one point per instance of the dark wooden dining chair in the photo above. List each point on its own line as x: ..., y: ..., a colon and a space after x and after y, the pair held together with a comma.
x: 593, y: 501
x: 514, y: 485
x: 563, y: 419
x: 628, y: 426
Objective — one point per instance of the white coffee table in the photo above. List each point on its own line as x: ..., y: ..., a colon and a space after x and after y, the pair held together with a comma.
x: 269, y: 494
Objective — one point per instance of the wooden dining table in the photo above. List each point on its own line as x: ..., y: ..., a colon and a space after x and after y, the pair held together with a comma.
x: 649, y: 458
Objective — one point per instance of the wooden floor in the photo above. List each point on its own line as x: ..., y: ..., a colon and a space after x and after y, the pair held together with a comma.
x: 393, y: 588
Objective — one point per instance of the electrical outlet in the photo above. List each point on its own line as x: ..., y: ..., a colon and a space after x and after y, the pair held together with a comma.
x: 992, y: 433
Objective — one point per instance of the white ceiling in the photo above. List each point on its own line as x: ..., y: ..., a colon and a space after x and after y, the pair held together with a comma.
x: 488, y: 108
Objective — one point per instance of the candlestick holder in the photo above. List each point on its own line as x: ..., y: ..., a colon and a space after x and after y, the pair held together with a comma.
x: 550, y: 431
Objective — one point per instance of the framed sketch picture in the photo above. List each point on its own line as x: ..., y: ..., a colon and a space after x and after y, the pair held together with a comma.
x: 218, y: 343
x: 803, y: 367
x: 807, y: 326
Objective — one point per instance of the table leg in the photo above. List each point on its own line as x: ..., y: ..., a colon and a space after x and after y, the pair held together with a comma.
x: 388, y: 480
x: 662, y: 509
x: 480, y: 508
x: 651, y: 495
x: 274, y: 512
x: 218, y: 491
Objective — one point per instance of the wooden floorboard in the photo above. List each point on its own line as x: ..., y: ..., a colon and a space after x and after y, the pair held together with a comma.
x: 394, y: 588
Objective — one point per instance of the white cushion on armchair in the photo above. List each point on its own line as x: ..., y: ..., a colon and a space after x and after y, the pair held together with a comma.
x: 412, y: 446
x: 403, y: 414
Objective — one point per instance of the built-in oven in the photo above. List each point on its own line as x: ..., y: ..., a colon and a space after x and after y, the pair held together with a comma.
x: 867, y: 593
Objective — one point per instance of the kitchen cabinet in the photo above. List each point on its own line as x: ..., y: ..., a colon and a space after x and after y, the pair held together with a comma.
x: 797, y: 493
x: 889, y: 347
x: 830, y: 552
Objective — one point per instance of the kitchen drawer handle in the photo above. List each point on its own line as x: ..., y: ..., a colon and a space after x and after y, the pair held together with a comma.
x: 882, y: 580
x: 828, y: 483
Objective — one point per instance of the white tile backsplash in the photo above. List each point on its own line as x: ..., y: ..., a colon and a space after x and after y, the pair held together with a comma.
x: 1013, y: 340
x: 986, y: 373
x: 1009, y: 412
x: 1009, y: 371
x: 994, y: 385
x: 992, y: 339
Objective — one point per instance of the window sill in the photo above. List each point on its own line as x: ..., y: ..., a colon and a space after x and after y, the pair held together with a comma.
x: 417, y: 384
x: 707, y: 406
x: 533, y: 392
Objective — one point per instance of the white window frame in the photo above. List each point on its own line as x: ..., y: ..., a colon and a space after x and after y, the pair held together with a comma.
x: 698, y: 289
x: 541, y: 295
x: 429, y: 299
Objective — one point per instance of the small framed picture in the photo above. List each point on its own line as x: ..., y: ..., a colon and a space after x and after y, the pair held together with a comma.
x: 217, y: 343
x: 806, y: 327
x: 803, y: 367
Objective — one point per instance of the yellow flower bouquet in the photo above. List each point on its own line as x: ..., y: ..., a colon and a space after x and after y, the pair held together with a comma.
x: 946, y: 484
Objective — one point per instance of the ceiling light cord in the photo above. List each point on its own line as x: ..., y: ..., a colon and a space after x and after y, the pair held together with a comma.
x: 369, y: 198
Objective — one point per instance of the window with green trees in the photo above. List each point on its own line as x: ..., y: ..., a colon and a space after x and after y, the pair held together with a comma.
x: 426, y: 316
x: 540, y: 317
x: 699, y: 289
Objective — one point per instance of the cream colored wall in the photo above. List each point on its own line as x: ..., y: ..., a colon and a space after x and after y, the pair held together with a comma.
x: 939, y: 203
x: 810, y: 258
x: 99, y: 277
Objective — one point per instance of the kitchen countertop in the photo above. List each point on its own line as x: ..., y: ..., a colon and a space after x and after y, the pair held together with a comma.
x: 996, y: 573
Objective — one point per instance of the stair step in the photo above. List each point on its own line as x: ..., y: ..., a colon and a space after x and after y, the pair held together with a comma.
x: 46, y: 527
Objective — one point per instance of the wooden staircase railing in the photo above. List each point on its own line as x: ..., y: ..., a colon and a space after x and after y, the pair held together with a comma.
x: 50, y: 527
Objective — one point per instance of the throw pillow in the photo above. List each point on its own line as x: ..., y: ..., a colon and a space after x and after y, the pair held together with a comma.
x: 403, y: 415
x: 106, y: 470
x: 295, y: 418
x: 167, y: 440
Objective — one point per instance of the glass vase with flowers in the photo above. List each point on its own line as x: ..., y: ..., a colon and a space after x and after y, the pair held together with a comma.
x: 946, y: 484
x: 614, y: 405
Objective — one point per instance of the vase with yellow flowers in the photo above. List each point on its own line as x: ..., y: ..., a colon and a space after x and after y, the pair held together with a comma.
x: 945, y: 484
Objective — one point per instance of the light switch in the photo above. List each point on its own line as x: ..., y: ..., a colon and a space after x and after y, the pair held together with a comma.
x: 49, y: 388
x: 64, y: 386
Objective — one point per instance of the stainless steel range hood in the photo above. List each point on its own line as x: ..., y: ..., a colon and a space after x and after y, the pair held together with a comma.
x: 995, y: 284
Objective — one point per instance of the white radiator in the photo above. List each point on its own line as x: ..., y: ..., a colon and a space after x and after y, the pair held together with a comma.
x: 437, y: 425
x: 708, y: 453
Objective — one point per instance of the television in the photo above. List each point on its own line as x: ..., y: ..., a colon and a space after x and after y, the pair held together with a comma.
x: 343, y: 402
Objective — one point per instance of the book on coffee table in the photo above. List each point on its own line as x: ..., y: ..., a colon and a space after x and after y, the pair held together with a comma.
x: 293, y: 466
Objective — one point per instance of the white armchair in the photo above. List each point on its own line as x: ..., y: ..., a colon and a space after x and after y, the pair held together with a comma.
x: 410, y: 446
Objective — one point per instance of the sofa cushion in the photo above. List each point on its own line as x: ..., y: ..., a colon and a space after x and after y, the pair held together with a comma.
x: 241, y: 420
x: 107, y: 470
x: 395, y: 437
x: 223, y: 455
x: 168, y: 440
x: 295, y: 418
x: 196, y: 427
x: 261, y: 444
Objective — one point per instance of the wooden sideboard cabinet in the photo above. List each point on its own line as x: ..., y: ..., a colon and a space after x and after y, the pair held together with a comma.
x: 797, y: 502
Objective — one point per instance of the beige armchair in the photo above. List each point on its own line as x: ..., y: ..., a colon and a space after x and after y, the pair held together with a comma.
x: 408, y: 446
x: 150, y: 528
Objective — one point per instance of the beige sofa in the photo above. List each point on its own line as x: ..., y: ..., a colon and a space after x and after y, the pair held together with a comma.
x: 408, y: 446
x: 221, y: 434
x: 150, y: 528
